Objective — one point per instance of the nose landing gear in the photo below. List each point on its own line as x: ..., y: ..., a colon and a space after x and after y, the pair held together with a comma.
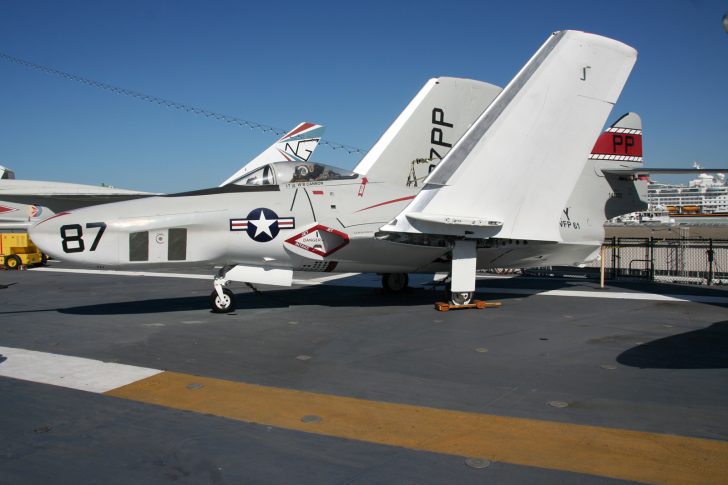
x: 222, y: 300
x: 224, y: 303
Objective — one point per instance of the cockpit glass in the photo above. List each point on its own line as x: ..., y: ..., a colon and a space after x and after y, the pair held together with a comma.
x: 261, y: 176
x: 292, y: 172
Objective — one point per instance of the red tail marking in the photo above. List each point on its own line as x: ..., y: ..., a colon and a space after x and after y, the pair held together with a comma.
x: 610, y: 143
x: 301, y: 128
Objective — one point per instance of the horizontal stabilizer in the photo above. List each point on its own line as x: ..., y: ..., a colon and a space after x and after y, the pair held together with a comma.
x: 521, y: 159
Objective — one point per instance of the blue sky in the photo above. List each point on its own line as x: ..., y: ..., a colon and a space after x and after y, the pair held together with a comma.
x: 351, y: 66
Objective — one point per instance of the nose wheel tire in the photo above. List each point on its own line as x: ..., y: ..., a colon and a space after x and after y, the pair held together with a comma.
x: 461, y: 298
x: 226, y: 304
x: 395, y: 282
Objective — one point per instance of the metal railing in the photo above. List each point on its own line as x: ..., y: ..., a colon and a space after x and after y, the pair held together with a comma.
x: 692, y: 261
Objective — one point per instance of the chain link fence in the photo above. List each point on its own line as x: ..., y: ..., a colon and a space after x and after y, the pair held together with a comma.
x: 691, y: 261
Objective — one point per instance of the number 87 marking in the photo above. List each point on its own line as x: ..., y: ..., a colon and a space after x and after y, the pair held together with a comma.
x: 72, y: 236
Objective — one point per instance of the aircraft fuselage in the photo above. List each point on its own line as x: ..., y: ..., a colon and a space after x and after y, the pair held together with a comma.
x: 314, y: 226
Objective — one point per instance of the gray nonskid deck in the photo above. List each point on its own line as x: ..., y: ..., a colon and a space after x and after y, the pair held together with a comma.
x: 634, y: 364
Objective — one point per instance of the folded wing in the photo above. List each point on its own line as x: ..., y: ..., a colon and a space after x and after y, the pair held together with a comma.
x: 512, y: 172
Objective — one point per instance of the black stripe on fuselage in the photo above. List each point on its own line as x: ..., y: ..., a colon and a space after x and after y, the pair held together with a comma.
x: 227, y: 189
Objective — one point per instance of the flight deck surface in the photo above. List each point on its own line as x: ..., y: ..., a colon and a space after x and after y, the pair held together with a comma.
x: 129, y: 378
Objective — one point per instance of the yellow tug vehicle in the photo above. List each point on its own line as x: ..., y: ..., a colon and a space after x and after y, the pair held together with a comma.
x: 16, y: 250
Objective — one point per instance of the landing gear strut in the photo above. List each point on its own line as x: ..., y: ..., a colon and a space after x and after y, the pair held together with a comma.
x: 222, y: 300
x: 462, y: 286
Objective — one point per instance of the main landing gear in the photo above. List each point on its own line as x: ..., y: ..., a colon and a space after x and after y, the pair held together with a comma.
x: 462, y: 284
x: 461, y: 297
x: 454, y: 298
x: 461, y: 287
x: 395, y: 282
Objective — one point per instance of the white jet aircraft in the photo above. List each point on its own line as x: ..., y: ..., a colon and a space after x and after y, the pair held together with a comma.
x: 518, y: 185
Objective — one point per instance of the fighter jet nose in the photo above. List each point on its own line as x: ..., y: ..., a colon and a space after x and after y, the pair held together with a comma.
x: 69, y: 236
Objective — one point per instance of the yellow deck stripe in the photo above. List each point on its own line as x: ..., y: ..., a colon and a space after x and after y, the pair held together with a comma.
x: 615, y: 453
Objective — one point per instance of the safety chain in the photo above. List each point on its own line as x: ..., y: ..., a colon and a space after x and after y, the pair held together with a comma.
x: 169, y: 104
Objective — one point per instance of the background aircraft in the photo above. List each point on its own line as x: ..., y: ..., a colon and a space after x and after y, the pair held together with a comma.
x: 29, y: 201
x: 514, y: 164
x: 297, y: 145
x: 18, y: 217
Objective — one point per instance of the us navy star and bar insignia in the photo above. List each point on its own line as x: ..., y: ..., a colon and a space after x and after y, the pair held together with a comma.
x: 262, y: 225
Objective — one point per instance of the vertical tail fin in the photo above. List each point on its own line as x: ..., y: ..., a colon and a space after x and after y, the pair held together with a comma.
x: 620, y: 147
x: 426, y: 130
x: 6, y: 173
x: 621, y: 142
x: 297, y: 145
x: 599, y: 196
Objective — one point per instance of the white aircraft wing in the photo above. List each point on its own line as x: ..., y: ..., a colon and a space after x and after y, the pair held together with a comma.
x: 295, y: 146
x: 60, y: 196
x: 512, y: 172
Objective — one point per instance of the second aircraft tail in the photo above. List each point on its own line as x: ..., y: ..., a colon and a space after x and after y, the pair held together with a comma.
x: 295, y: 146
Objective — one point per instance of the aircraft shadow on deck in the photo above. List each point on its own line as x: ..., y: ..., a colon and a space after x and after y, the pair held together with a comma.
x: 697, y: 349
x: 342, y: 295
x: 326, y: 296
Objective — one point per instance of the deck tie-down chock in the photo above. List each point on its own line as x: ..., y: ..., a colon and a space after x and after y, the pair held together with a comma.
x: 477, y: 304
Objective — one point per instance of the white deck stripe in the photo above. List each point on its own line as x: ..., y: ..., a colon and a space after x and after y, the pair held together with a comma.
x: 65, y: 371
x: 611, y: 295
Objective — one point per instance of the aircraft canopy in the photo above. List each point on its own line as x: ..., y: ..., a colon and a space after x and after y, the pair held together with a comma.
x: 292, y: 172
